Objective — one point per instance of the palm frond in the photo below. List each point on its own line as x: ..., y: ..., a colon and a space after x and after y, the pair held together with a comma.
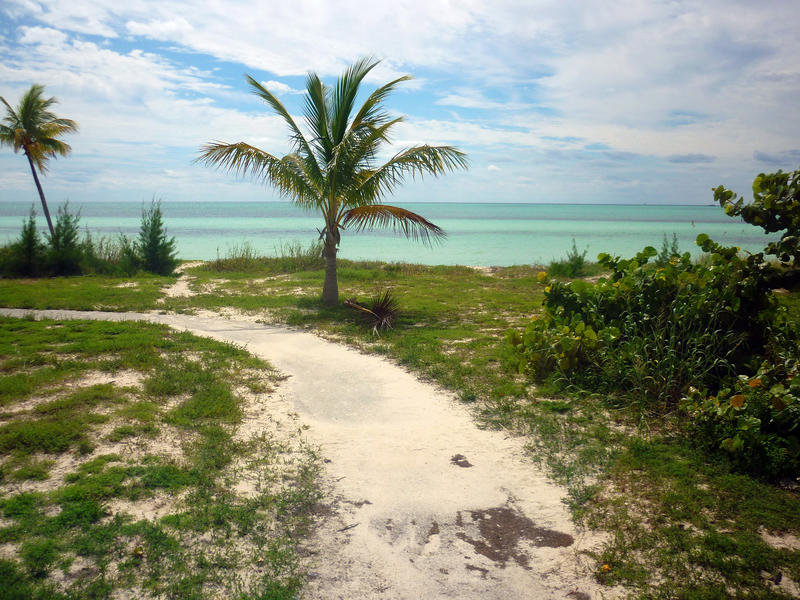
x: 288, y: 175
x: 7, y: 136
x: 11, y: 115
x: 414, y: 161
x: 316, y: 104
x: 372, y: 111
x: 400, y: 220
x: 297, y: 137
x: 344, y: 96
x: 356, y: 153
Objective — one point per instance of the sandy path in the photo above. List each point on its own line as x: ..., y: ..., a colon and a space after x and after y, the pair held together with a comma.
x: 426, y: 505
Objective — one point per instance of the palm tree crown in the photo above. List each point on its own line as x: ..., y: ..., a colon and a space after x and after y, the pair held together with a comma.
x: 35, y: 130
x: 335, y: 170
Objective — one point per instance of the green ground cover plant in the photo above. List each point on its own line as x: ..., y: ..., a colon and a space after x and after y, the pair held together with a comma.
x: 112, y: 481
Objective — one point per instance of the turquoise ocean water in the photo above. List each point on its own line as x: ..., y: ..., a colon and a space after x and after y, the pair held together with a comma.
x: 478, y: 234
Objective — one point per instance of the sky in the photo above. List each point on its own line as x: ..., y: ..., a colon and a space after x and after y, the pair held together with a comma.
x: 649, y: 101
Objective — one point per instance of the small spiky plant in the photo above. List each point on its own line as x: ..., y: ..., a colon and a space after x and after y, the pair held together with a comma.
x: 381, y: 311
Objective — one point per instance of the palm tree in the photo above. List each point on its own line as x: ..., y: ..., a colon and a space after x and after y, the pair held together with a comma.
x: 335, y: 170
x: 35, y: 130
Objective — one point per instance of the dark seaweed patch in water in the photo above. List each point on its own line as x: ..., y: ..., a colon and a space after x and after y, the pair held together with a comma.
x: 502, y: 528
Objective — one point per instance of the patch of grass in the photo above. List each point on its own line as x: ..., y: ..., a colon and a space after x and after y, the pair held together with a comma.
x: 694, y: 526
x: 211, y: 537
x: 289, y: 258
x: 38, y: 555
x: 83, y: 293
x: 78, y: 401
x: 49, y: 436
x: 144, y: 411
x: 122, y: 432
x: 32, y: 470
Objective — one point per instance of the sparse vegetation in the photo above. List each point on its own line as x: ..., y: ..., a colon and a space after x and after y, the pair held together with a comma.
x: 289, y: 258
x: 145, y: 498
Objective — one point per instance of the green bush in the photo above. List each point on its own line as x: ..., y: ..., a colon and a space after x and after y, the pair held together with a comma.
x: 775, y: 207
x: 652, y: 331
x: 708, y: 338
x: 25, y: 256
x: 756, y: 420
x: 574, y: 265
x: 156, y: 252
x: 65, y: 254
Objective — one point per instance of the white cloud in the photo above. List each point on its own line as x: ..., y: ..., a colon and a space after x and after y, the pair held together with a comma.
x: 279, y: 88
x: 492, y: 168
x: 42, y: 35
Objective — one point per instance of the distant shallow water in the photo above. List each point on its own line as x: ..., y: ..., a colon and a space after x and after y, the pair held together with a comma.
x: 478, y: 234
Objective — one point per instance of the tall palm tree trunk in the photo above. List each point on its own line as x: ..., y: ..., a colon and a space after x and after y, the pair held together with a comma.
x: 330, y: 288
x: 41, y: 195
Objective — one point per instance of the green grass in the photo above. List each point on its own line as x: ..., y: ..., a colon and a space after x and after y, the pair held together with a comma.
x: 681, y: 524
x: 83, y: 293
x: 72, y: 536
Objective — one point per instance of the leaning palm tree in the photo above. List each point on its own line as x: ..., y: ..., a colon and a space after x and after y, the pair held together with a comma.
x: 335, y: 170
x: 35, y: 130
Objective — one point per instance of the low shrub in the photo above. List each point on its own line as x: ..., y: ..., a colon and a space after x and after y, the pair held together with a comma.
x: 706, y: 337
x: 651, y: 330
x: 289, y: 258
x: 65, y: 253
x: 756, y: 419
x: 25, y: 256
x: 574, y: 265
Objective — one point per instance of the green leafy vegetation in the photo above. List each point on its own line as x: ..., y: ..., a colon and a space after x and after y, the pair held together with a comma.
x: 710, y: 334
x: 148, y: 495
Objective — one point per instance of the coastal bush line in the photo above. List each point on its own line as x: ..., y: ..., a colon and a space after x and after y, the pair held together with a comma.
x: 64, y: 253
x: 706, y: 339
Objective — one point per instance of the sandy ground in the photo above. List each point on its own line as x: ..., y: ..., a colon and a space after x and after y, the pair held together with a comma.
x: 423, y: 504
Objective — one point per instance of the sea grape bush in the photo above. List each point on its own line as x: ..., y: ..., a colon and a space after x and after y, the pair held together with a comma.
x: 652, y: 330
x: 756, y: 419
x: 707, y: 337
x: 775, y: 207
